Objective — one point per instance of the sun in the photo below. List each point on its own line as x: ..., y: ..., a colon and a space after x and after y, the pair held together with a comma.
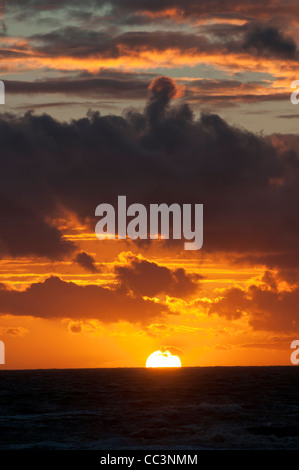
x: 163, y: 359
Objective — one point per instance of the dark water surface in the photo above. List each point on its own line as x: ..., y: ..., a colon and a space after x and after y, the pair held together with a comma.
x: 188, y: 408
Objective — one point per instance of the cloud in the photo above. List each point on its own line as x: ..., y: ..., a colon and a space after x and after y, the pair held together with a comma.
x: 231, y: 305
x: 275, y: 343
x: 147, y: 278
x: 268, y: 308
x: 91, y: 327
x: 111, y: 84
x: 55, y: 298
x: 121, y: 87
x: 268, y: 41
x: 163, y: 154
x: 286, y: 259
x: 86, y: 261
x: 163, y: 90
x: 192, y: 8
x: 177, y: 9
x: 174, y: 351
x: 25, y: 231
x: 103, y: 34
x: 288, y: 116
x: 79, y: 43
x: 231, y: 92
x: 14, y: 331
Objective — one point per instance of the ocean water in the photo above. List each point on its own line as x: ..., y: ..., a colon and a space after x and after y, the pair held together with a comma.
x: 174, y: 409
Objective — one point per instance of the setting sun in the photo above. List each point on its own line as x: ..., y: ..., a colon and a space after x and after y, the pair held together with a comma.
x: 163, y: 359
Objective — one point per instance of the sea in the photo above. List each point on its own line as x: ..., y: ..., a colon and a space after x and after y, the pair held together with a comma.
x: 184, y: 408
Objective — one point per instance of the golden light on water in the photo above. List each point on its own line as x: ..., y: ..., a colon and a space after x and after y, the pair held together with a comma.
x: 163, y: 359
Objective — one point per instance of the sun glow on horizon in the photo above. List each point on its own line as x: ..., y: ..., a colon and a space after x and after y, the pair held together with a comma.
x: 163, y: 359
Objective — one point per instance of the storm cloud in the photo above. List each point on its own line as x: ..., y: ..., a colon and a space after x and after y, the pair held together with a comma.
x: 248, y: 184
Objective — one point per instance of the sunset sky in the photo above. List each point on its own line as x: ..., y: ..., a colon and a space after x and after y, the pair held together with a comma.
x: 161, y: 101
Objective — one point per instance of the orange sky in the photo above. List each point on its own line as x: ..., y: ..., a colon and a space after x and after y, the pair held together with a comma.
x: 201, y: 339
x: 182, y: 103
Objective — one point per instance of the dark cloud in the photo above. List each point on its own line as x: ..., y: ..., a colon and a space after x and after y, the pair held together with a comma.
x: 107, y: 34
x: 268, y: 307
x: 186, y: 8
x: 35, y: 6
x: 268, y: 41
x: 253, y: 37
x: 147, y: 278
x: 134, y: 86
x: 284, y: 260
x: 6, y: 54
x: 88, y: 37
x: 24, y: 218
x: 25, y: 231
x: 122, y: 87
x: 231, y: 305
x: 231, y: 100
x: 77, y: 42
x: 163, y: 89
x: 230, y: 92
x: 249, y: 185
x: 194, y: 8
x: 55, y: 298
x: 86, y: 261
x: 288, y: 116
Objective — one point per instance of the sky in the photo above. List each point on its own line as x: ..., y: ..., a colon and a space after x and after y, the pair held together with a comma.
x: 165, y: 102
